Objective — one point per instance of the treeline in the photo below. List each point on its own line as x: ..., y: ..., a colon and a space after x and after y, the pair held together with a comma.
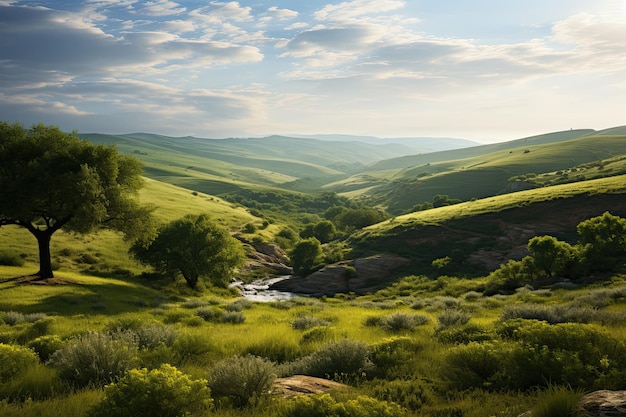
x: 601, y: 248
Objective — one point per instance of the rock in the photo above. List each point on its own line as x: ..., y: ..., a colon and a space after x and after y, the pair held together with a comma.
x: 333, y: 279
x: 305, y: 385
x: 267, y: 256
x: 603, y: 404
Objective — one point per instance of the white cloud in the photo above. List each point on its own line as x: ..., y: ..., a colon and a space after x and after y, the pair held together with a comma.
x: 282, y: 14
x: 162, y: 8
x: 350, y: 10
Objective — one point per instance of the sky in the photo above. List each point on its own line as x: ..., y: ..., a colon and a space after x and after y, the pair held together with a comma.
x: 484, y: 70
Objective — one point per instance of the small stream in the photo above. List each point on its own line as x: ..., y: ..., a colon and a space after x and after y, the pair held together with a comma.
x: 259, y: 290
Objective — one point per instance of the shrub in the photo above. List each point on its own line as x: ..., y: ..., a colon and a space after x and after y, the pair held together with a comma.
x: 233, y: 317
x: 474, y: 365
x: 152, y: 335
x: 393, y: 356
x: 409, y: 394
x: 210, y: 314
x: 403, y: 321
x: 45, y: 346
x: 10, y: 259
x: 317, y: 334
x: 94, y: 358
x: 340, y: 358
x: 162, y: 392
x: 14, y: 360
x: 242, y: 380
x: 463, y: 334
x: 452, y: 317
x: 325, y: 406
x: 308, y: 322
x: 15, y: 317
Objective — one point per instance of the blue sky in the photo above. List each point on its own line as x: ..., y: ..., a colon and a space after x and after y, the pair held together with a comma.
x: 482, y: 70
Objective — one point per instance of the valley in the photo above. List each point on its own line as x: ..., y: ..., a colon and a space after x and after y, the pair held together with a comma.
x: 426, y: 298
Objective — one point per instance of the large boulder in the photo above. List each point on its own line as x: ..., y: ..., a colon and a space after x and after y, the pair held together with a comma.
x: 603, y: 404
x: 305, y: 385
x: 368, y: 275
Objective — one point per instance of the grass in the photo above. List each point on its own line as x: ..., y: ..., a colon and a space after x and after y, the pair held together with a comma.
x: 612, y: 185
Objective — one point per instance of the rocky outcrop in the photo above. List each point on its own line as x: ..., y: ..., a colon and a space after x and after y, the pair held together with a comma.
x: 266, y: 256
x: 365, y: 274
x: 305, y: 385
x: 603, y: 404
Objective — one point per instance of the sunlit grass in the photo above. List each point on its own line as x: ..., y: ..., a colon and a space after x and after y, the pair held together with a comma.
x: 612, y: 185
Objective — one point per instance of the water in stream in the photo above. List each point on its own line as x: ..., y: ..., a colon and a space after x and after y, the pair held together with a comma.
x: 259, y: 290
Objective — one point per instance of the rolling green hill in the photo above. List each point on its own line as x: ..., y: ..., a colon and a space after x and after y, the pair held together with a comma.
x: 479, y: 235
x: 483, y: 175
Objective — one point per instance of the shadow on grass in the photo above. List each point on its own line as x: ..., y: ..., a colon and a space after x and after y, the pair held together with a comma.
x: 68, y: 298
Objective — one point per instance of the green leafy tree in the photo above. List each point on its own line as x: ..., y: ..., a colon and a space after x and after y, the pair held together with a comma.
x: 441, y: 200
x: 552, y: 256
x: 51, y: 180
x: 357, y: 218
x: 604, y: 240
x: 195, y: 247
x: 306, y: 255
x: 324, y: 231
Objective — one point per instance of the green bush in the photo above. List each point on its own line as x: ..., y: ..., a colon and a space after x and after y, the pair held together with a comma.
x: 162, y: 392
x: 307, y: 322
x: 475, y: 365
x: 339, y: 358
x: 242, y: 380
x: 393, y: 357
x: 410, y: 394
x: 571, y: 354
x: 325, y: 406
x: 463, y: 334
x: 233, y: 317
x: 452, y: 317
x: 152, y: 335
x: 14, y: 360
x: 10, y: 258
x: 316, y: 335
x: 13, y: 318
x: 402, y: 321
x: 45, y: 346
x: 210, y: 314
x: 94, y: 358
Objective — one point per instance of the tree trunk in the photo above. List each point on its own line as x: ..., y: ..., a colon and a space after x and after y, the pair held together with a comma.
x: 45, y: 263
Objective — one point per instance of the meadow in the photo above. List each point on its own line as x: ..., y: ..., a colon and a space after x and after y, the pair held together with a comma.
x: 107, y: 337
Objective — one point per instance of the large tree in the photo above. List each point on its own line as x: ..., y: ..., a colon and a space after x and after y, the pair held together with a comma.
x: 194, y: 246
x: 52, y: 180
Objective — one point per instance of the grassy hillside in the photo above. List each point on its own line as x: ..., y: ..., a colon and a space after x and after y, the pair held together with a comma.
x: 105, y: 252
x: 483, y: 175
x: 482, y: 234
x: 416, y: 160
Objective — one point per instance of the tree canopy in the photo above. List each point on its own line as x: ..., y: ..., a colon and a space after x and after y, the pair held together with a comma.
x: 194, y: 246
x: 306, y: 256
x: 52, y: 180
